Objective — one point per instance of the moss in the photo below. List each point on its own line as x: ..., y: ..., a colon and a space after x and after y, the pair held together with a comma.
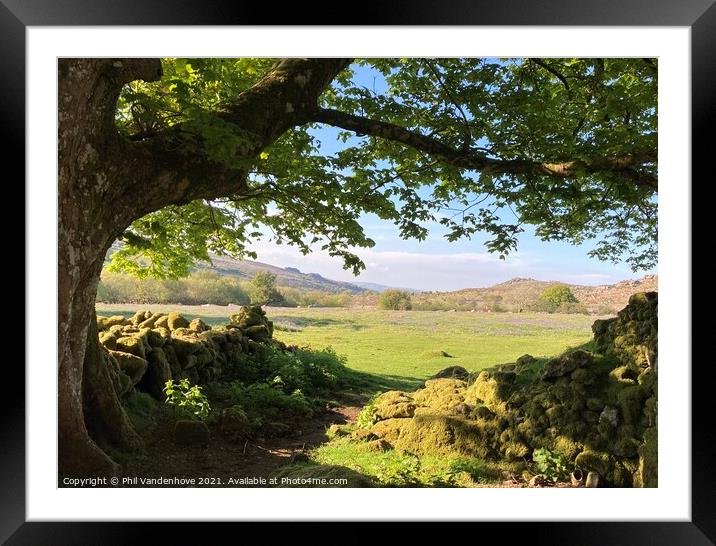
x: 162, y: 322
x: 108, y: 340
x: 567, y: 446
x: 647, y: 473
x: 131, y: 345
x: 491, y: 389
x: 441, y: 395
x: 198, y: 325
x: 131, y: 365
x: 313, y: 475
x: 514, y: 451
x: 567, y: 363
x: 393, y: 404
x: 630, y: 400
x: 595, y: 461
x: 175, y: 321
x: 624, y: 374
x: 440, y: 434
x: 149, y: 322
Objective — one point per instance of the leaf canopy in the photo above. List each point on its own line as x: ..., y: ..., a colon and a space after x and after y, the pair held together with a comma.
x: 566, y: 147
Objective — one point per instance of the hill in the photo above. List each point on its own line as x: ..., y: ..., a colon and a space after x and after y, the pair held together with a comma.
x: 285, y: 276
x: 519, y: 293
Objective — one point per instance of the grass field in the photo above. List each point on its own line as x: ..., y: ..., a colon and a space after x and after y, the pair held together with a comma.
x: 399, y: 349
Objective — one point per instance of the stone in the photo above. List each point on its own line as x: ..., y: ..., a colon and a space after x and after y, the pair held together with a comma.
x: 131, y: 365
x: 566, y: 363
x: 157, y: 374
x: 609, y: 416
x: 540, y: 480
x: 592, y: 480
x: 452, y: 372
x: 191, y: 433
x: 175, y: 321
x: 198, y: 325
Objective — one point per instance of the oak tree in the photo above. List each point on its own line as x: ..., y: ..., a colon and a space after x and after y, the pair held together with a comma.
x: 177, y: 158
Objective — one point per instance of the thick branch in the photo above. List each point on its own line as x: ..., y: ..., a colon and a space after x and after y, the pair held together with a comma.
x: 168, y: 168
x: 623, y: 166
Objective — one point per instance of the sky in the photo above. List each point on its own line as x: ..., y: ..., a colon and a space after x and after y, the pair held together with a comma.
x: 437, y: 264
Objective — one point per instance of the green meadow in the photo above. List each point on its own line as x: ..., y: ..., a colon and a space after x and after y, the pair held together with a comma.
x: 400, y: 349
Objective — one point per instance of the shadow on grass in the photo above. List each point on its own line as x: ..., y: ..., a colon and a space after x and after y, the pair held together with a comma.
x: 369, y: 383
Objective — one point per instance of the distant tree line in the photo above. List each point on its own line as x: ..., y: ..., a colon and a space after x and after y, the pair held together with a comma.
x: 203, y: 287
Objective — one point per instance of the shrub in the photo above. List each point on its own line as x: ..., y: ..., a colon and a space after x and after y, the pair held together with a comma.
x: 189, y: 401
x: 553, y: 297
x: 396, y: 300
x: 552, y: 464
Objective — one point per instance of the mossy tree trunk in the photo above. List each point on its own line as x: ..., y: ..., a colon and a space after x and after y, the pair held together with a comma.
x: 105, y: 183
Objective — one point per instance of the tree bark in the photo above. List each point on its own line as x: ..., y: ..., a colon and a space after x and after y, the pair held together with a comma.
x: 88, y: 90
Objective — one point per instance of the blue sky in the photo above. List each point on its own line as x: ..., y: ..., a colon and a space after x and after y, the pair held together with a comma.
x: 437, y: 264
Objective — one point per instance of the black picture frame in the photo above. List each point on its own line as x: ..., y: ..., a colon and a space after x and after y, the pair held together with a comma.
x: 699, y: 15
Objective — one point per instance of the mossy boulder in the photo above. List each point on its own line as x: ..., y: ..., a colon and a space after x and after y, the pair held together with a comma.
x: 594, y: 461
x: 566, y: 363
x: 176, y: 321
x: 393, y: 404
x: 234, y: 422
x: 441, y: 396
x: 131, y: 345
x: 491, y: 389
x: 108, y: 340
x: 258, y: 332
x: 452, y: 372
x: 191, y: 433
x: 441, y: 434
x: 157, y: 374
x: 121, y: 382
x: 313, y: 475
x: 199, y: 325
x: 130, y: 364
x: 150, y: 321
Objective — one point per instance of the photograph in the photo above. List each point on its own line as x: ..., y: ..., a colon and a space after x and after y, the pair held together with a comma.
x: 379, y: 272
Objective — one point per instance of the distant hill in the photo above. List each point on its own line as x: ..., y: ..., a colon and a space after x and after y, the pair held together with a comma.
x: 382, y: 287
x: 285, y: 276
x: 520, y: 293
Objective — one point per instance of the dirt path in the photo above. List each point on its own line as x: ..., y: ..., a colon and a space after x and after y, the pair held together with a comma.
x: 226, y: 463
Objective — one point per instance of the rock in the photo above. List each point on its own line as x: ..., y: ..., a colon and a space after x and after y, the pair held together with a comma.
x: 175, y: 321
x: 379, y: 445
x: 191, y: 433
x: 566, y: 363
x: 363, y: 434
x: 393, y: 404
x: 162, y: 322
x: 156, y: 337
x: 132, y: 345
x: 595, y: 404
x: 609, y: 417
x: 540, y: 480
x: 592, y: 480
x: 108, y: 340
x: 150, y: 321
x: 452, y: 372
x: 131, y: 365
x: 198, y: 325
x: 248, y: 316
x: 337, y: 430
x: 258, y: 332
x: 157, y: 374
x: 235, y: 422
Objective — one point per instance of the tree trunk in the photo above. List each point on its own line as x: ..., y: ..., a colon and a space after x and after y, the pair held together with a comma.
x: 87, y: 225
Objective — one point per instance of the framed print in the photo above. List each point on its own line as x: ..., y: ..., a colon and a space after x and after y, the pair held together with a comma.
x: 455, y: 315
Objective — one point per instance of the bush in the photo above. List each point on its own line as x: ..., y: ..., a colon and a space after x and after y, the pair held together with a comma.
x: 554, y: 465
x: 554, y: 297
x: 396, y: 300
x: 189, y: 401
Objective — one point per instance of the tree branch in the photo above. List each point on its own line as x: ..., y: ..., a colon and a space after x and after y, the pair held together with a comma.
x: 625, y: 166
